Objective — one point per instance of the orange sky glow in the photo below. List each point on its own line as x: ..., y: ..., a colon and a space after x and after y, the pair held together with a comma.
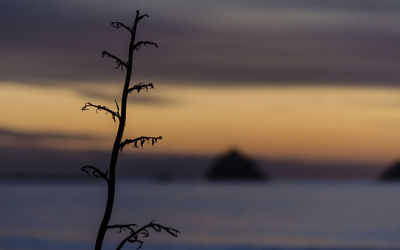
x: 305, y: 122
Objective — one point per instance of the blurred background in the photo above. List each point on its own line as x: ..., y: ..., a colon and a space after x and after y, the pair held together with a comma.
x: 305, y: 93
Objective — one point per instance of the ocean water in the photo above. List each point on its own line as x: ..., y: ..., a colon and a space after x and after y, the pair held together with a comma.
x: 216, y: 216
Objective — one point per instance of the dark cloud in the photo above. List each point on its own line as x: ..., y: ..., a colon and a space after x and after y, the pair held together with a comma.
x: 98, y: 93
x: 16, y: 137
x: 225, y: 42
x: 352, y: 5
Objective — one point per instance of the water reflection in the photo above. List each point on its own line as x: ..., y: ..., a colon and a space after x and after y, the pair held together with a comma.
x: 273, y: 214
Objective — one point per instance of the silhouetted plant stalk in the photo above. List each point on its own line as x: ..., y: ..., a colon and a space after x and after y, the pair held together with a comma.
x: 135, y: 235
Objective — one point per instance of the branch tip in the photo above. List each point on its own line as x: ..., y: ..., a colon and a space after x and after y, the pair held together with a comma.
x: 140, y: 17
x: 118, y: 25
x: 116, y: 103
x: 104, y: 108
x: 139, y: 86
x: 139, y: 44
x: 136, y: 235
x: 120, y: 63
x: 95, y: 172
x: 140, y: 140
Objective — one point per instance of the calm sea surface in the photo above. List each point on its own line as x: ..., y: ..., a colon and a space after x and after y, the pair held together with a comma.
x: 274, y: 215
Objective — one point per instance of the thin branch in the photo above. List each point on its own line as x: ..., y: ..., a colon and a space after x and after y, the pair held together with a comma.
x: 140, y: 140
x: 136, y: 235
x: 118, y: 25
x: 116, y: 104
x: 143, y: 16
x: 140, y: 17
x: 138, y: 87
x: 104, y: 108
x: 122, y: 227
x: 139, y: 44
x: 120, y: 63
x: 95, y: 172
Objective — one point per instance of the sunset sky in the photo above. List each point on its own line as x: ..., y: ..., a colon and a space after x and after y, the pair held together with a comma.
x: 285, y: 79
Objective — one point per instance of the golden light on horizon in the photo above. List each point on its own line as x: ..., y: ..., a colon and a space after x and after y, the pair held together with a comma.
x: 305, y: 122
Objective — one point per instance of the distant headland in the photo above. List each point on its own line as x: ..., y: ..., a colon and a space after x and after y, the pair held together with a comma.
x: 233, y: 166
x: 392, y: 173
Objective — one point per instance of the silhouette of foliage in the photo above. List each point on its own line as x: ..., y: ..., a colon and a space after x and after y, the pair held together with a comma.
x: 120, y: 63
x: 104, y: 108
x: 140, y: 140
x: 138, y: 87
x: 93, y: 171
x: 118, y: 25
x: 138, y: 45
x: 136, y: 235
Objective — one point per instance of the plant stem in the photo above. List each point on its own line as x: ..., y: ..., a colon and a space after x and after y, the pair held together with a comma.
x: 116, y: 147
